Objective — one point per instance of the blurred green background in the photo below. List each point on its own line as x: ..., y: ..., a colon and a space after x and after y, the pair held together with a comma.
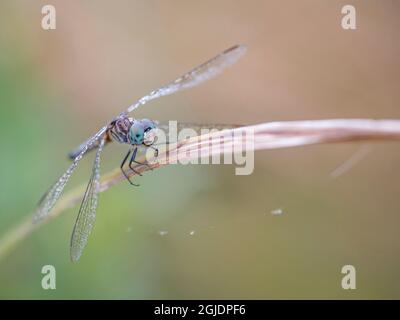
x: 58, y: 87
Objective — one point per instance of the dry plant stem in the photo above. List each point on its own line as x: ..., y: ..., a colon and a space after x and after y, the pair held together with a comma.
x: 266, y: 136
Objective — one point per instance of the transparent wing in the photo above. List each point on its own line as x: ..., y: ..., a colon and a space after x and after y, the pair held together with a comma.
x: 165, y: 125
x: 168, y: 134
x: 74, y: 153
x: 196, y: 76
x: 50, y: 198
x: 87, y: 212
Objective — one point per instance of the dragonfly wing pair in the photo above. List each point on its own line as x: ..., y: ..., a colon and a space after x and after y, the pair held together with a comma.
x: 50, y: 197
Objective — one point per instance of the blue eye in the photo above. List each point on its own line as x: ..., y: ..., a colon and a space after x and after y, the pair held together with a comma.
x: 136, y: 134
x: 147, y: 124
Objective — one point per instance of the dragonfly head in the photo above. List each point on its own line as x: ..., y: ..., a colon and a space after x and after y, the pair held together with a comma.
x: 142, y: 132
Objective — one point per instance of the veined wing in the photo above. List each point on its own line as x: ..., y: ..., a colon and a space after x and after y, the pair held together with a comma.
x: 87, y: 212
x: 50, y: 198
x: 167, y: 128
x: 74, y: 153
x: 202, y: 73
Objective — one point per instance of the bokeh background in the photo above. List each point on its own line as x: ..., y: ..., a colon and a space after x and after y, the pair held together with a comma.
x: 58, y: 87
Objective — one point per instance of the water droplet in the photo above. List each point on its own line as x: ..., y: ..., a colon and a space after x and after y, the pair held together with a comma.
x: 192, y: 232
x: 277, y: 212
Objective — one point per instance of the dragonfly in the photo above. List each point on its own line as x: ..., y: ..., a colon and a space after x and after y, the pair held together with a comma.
x: 126, y: 130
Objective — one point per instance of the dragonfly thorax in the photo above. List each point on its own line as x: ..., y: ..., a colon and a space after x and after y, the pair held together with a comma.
x: 133, y: 131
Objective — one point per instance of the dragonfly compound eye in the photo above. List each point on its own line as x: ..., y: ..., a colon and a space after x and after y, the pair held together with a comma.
x: 136, y: 134
x: 147, y: 124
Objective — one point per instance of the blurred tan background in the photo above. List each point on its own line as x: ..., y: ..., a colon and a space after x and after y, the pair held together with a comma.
x: 58, y: 87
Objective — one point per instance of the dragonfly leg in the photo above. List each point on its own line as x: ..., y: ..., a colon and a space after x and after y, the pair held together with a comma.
x: 132, y: 160
x: 137, y: 162
x: 123, y: 171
